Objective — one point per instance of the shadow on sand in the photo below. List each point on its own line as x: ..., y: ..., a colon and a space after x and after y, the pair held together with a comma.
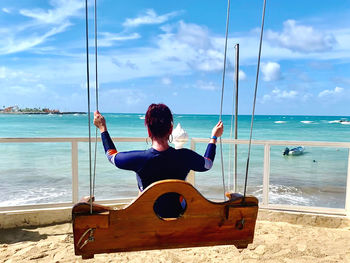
x: 15, y: 235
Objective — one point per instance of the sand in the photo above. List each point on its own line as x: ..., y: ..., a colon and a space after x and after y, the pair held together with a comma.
x: 274, y: 242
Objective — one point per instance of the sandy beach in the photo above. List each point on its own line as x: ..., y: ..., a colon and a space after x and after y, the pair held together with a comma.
x: 306, y: 239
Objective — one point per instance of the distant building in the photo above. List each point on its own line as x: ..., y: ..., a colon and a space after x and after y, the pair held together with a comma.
x: 46, y: 110
x: 12, y: 109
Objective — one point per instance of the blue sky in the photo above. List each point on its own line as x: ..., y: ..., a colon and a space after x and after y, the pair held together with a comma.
x: 172, y: 52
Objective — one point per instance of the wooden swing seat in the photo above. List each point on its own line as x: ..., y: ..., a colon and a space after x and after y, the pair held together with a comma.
x: 137, y: 227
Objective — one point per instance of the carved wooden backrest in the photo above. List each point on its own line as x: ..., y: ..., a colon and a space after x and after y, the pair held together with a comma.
x: 137, y: 227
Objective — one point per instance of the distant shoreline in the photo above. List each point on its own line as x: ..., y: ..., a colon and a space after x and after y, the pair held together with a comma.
x: 44, y: 113
x: 176, y: 114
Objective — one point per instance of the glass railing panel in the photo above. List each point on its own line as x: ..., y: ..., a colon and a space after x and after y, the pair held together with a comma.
x: 317, y: 177
x: 210, y: 183
x: 35, y: 173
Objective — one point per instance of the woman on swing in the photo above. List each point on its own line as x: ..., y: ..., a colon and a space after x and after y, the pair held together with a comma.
x: 161, y: 161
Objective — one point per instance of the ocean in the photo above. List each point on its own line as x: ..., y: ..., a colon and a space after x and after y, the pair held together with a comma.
x: 37, y: 173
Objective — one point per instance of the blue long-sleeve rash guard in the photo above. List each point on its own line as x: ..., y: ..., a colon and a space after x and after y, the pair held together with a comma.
x: 152, y: 165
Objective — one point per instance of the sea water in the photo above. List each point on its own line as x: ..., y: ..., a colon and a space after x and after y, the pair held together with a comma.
x: 35, y: 173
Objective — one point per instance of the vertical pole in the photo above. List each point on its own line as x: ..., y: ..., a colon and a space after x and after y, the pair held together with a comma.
x: 236, y: 111
x: 347, y: 195
x: 75, y: 178
x: 266, y: 178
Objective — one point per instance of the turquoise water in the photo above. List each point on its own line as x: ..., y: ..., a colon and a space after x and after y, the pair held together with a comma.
x: 33, y: 173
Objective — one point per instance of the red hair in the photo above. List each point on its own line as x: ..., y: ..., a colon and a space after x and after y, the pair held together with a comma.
x: 159, y: 120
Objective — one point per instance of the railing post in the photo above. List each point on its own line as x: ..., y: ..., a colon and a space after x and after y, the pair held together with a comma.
x: 347, y: 190
x: 75, y: 178
x: 266, y: 178
x: 191, y: 175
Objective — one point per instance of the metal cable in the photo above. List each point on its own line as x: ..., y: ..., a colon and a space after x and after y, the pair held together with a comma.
x: 233, y: 175
x: 96, y: 71
x: 230, y: 175
x: 88, y: 94
x: 255, y: 92
x: 236, y: 113
x: 222, y: 95
x: 96, y: 89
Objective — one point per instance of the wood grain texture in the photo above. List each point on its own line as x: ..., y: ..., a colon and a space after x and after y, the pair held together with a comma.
x: 137, y: 227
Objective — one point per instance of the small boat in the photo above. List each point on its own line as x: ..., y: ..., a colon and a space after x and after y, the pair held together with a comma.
x: 294, y: 151
x: 342, y: 121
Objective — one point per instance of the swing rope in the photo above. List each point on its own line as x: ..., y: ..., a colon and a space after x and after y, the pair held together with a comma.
x: 93, y: 177
x: 88, y: 95
x: 222, y: 95
x: 96, y: 89
x: 255, y: 92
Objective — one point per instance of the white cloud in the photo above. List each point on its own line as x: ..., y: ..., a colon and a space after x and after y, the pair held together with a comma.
x: 301, y: 38
x: 124, y: 63
x: 42, y: 25
x: 326, y: 93
x: 62, y: 10
x: 266, y: 98
x: 180, y: 50
x: 283, y: 94
x: 22, y: 44
x: 121, y: 96
x: 306, y: 96
x: 11, y: 76
x: 274, y: 51
x: 26, y: 90
x: 166, y: 81
x: 242, y: 75
x: 108, y: 39
x: 193, y: 45
x: 2, y: 72
x: 209, y: 60
x: 271, y: 71
x: 191, y: 34
x: 6, y: 10
x: 278, y: 95
x: 206, y: 85
x: 149, y: 17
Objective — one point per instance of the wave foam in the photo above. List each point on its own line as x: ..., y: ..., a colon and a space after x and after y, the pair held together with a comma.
x: 335, y: 121
x: 36, y: 196
x: 307, y: 122
x: 281, y: 194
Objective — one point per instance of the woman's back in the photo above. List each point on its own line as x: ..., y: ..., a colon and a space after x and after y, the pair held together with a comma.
x: 152, y: 166
x: 161, y: 161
